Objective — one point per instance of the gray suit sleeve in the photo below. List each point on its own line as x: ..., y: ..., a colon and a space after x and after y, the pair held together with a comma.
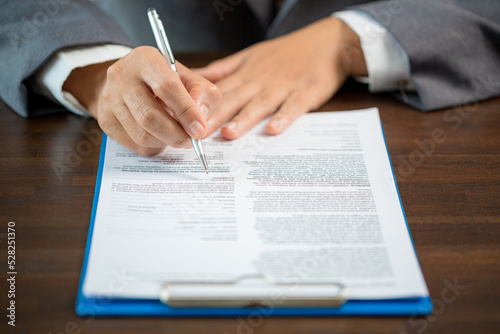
x: 31, y: 31
x: 453, y: 47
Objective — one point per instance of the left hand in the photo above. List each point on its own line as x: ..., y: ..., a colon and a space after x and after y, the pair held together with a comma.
x: 288, y: 76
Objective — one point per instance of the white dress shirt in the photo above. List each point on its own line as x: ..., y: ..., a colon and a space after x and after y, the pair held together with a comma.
x: 386, y: 61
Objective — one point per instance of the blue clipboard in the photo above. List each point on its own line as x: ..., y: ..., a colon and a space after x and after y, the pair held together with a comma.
x: 103, y: 307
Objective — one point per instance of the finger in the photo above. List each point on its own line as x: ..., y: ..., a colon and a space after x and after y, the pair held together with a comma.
x: 204, y: 93
x: 138, y: 134
x: 221, y: 68
x: 261, y: 106
x: 168, y: 87
x: 151, y: 117
x: 231, y: 103
x: 298, y: 103
x: 165, y: 107
x: 230, y: 83
x: 114, y: 130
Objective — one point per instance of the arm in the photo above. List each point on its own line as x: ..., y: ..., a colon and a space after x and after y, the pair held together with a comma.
x: 386, y: 61
x: 453, y: 48
x: 137, y: 100
x: 450, y: 48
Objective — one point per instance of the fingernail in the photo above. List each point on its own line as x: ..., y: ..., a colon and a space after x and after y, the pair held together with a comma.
x: 204, y: 108
x: 277, y: 124
x: 197, y: 130
x: 232, y: 125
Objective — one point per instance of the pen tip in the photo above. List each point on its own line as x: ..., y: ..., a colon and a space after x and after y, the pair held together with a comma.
x: 203, y: 160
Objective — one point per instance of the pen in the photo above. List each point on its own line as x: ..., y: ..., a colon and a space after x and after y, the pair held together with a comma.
x: 164, y: 47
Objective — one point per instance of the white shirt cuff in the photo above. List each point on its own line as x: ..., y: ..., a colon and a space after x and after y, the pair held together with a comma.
x: 51, y: 77
x: 386, y: 61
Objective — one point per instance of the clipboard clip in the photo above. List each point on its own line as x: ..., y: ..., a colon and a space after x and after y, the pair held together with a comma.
x: 252, y: 291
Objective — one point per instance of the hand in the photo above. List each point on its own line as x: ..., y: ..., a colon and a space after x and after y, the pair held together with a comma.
x: 144, y: 105
x: 288, y: 76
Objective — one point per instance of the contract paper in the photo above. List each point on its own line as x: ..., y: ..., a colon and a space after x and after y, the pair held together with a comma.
x: 316, y: 204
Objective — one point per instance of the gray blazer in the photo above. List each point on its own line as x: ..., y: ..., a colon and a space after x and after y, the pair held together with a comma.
x: 453, y: 45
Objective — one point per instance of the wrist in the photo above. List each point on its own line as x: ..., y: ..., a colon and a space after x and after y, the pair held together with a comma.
x: 86, y: 83
x: 345, y: 46
x: 352, y: 55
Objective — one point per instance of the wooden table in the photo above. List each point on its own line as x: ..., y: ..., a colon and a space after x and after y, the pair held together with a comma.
x: 450, y: 193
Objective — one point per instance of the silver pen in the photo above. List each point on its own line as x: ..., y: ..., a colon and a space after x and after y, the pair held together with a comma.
x: 164, y: 47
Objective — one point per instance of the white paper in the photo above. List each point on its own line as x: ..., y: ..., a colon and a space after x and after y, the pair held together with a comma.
x: 317, y: 203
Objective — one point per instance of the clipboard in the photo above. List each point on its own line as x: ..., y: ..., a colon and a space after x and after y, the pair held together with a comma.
x: 334, y: 305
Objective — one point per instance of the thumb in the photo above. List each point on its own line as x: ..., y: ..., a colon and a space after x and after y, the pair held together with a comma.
x: 221, y: 68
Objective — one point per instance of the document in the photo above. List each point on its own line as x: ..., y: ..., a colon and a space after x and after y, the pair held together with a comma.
x: 316, y: 204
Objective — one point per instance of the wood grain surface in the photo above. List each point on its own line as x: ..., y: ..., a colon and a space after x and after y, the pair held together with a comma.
x: 447, y: 167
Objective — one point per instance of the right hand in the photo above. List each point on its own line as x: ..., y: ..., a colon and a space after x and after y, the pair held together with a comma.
x: 140, y: 102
